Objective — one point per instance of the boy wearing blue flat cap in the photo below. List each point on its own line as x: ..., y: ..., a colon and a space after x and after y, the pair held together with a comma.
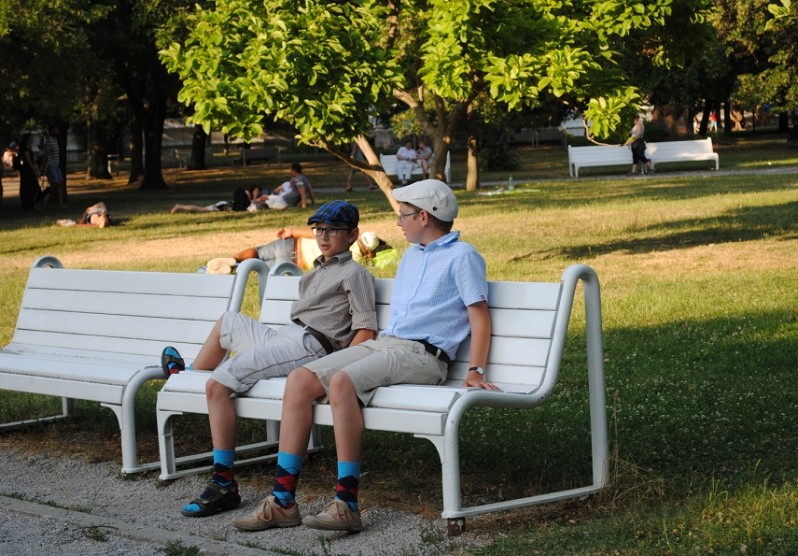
x: 335, y: 309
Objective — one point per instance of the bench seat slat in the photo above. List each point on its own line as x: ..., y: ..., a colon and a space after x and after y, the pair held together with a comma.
x: 69, y: 387
x: 107, y: 344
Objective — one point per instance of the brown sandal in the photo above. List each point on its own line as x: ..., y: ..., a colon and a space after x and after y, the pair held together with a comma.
x: 214, y: 499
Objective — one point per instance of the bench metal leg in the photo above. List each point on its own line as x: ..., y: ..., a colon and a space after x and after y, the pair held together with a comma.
x: 67, y: 406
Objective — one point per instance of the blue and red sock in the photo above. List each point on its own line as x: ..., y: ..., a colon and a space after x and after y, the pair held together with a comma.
x: 348, y: 483
x: 286, y: 478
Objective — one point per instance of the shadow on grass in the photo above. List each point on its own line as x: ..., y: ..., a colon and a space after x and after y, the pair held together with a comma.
x: 747, y: 224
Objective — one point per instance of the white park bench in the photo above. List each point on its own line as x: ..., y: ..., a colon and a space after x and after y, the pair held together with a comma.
x: 98, y: 335
x: 530, y: 321
x: 697, y: 150
x: 660, y: 152
x: 388, y: 163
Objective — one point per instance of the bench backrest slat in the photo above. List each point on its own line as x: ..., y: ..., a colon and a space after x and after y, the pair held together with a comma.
x: 522, y: 313
x: 135, y: 313
x: 142, y: 305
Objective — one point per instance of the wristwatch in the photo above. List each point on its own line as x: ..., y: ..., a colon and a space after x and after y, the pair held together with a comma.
x: 479, y: 370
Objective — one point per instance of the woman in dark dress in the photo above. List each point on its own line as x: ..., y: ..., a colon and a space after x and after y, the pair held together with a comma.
x: 29, y: 189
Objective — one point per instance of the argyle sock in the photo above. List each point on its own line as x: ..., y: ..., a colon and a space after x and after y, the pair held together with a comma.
x: 223, y: 467
x: 285, y: 480
x: 348, y: 483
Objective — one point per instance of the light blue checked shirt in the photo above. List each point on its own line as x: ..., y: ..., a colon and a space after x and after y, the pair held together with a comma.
x: 434, y: 286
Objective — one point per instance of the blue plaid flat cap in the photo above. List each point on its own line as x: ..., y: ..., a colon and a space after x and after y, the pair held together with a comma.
x: 336, y: 212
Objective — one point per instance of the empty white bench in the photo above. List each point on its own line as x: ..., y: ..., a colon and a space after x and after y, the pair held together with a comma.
x: 660, y: 152
x: 594, y: 156
x: 388, y: 163
x: 697, y: 150
x: 530, y: 321
x: 98, y: 335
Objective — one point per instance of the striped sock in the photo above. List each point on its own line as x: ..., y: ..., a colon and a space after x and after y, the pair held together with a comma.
x: 348, y: 483
x: 288, y: 468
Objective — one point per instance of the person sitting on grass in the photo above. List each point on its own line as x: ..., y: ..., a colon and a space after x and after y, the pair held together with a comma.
x: 335, y: 309
x: 295, y: 191
x: 439, y: 298
x: 298, y: 245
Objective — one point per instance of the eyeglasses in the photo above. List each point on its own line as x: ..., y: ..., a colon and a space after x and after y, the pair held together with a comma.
x: 404, y: 215
x: 331, y: 232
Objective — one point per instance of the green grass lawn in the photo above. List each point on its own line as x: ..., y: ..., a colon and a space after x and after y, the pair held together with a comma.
x: 699, y: 278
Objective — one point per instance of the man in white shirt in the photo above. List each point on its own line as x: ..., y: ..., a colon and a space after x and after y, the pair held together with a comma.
x: 405, y: 160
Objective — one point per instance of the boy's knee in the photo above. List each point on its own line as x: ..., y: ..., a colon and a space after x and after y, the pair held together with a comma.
x: 216, y: 390
x: 341, y: 385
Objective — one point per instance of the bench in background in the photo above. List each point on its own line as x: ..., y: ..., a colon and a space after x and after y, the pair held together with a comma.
x: 258, y: 154
x: 97, y: 335
x: 530, y: 321
x: 388, y: 163
x: 659, y: 152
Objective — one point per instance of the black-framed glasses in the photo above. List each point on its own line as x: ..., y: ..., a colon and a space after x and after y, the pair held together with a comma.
x: 330, y: 231
x: 403, y: 215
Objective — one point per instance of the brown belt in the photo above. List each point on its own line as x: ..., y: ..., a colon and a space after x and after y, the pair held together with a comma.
x: 322, y: 339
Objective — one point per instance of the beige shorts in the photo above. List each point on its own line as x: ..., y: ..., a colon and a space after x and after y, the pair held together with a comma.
x: 381, y: 362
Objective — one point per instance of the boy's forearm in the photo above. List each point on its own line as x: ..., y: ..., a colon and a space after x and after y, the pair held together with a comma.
x: 362, y: 335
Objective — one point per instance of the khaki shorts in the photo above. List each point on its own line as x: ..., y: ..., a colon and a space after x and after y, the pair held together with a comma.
x: 261, y: 351
x: 381, y: 362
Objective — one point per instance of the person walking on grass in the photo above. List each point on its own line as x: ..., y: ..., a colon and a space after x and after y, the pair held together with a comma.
x: 335, y: 309
x: 439, y: 298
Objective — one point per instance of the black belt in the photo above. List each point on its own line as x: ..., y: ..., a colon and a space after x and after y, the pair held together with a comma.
x: 435, y: 351
x: 323, y: 340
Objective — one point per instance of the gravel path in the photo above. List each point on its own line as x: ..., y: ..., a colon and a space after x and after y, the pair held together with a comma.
x: 63, y: 506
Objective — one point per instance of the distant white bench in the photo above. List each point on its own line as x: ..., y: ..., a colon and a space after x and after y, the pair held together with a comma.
x: 530, y: 321
x: 665, y: 151
x: 98, y: 335
x: 388, y: 163
x: 696, y: 150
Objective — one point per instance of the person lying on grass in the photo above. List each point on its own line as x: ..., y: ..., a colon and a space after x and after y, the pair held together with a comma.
x: 299, y: 246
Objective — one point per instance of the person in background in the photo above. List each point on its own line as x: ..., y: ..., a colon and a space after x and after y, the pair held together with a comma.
x: 242, y: 198
x: 29, y: 190
x: 405, y: 161
x: 51, y: 160
x: 424, y: 157
x: 9, y: 154
x: 295, y: 191
x: 637, y: 144
x: 299, y: 246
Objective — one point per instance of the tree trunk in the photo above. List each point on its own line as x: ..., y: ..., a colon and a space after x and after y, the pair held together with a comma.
x: 374, y: 170
x: 136, y: 150
x: 154, y: 117
x: 727, y: 121
x: 198, y: 142
x: 98, y: 154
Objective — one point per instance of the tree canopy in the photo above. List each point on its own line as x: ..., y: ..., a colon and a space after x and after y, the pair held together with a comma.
x: 325, y: 67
